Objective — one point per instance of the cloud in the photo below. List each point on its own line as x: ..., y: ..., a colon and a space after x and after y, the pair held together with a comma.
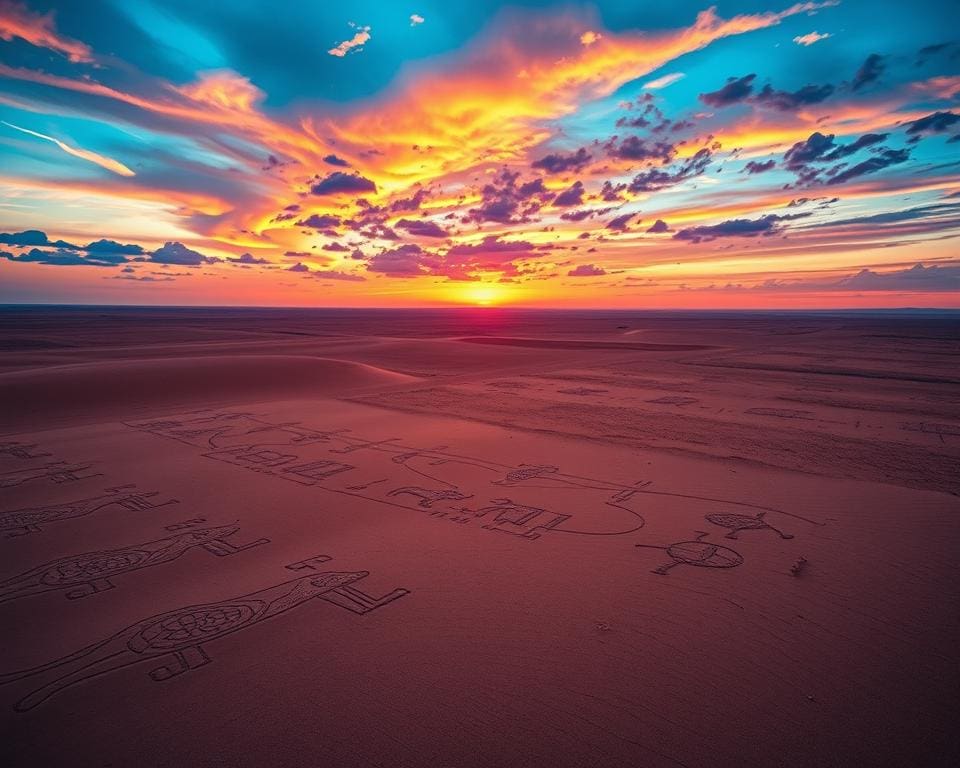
x: 917, y: 278
x: 462, y: 261
x: 493, y: 98
x: 491, y: 245
x: 810, y: 38
x: 64, y: 258
x: 340, y: 183
x: 869, y: 71
x: 635, y: 148
x: 334, y: 274
x: 502, y: 201
x: 936, y: 278
x: 355, y: 43
x: 938, y: 122
x: 411, y: 203
x: 573, y: 195
x: 320, y: 221
x: 949, y: 210
x: 754, y: 167
x: 654, y: 179
x: 620, y: 222
x: 415, y: 19
x: 559, y: 163
x: 812, y: 148
x: 334, y: 160
x: 587, y: 270
x: 664, y: 81
x: 422, y: 228
x: 764, y: 226
x: 407, y: 260
x: 589, y: 37
x: 27, y: 237
x: 179, y: 254
x: 111, y: 247
x: 736, y: 89
x: 144, y: 278
x: 845, y: 150
x: 880, y: 161
x: 16, y: 20
x: 818, y: 148
x: 659, y: 227
x: 84, y: 154
x: 786, y: 101
x: 298, y: 267
x: 247, y: 259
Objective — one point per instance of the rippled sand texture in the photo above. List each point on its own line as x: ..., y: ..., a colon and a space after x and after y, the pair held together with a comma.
x: 490, y: 538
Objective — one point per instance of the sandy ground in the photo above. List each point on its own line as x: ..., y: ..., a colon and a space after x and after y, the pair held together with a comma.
x: 482, y: 538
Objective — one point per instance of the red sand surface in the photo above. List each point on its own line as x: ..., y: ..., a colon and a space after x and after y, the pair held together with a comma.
x: 293, y: 538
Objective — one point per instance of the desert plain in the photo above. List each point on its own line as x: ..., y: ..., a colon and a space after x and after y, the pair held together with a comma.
x: 480, y: 537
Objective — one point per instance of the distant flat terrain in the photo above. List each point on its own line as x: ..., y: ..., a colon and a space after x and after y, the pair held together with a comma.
x: 479, y: 537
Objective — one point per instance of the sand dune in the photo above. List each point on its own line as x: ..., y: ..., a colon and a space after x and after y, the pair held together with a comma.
x: 122, y: 387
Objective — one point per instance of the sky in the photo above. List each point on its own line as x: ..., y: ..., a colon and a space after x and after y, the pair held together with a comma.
x: 622, y: 154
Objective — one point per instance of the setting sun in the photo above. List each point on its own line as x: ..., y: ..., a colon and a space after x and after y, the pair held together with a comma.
x: 484, y: 294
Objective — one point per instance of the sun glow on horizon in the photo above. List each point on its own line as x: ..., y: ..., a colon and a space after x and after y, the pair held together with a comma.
x: 484, y: 294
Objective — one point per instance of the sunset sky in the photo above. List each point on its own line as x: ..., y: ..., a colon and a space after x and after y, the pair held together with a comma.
x: 616, y: 154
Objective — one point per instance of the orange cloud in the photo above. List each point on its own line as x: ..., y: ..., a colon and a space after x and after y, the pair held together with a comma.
x: 493, y: 105
x: 17, y: 21
x: 810, y: 38
x: 357, y: 41
x: 225, y: 90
